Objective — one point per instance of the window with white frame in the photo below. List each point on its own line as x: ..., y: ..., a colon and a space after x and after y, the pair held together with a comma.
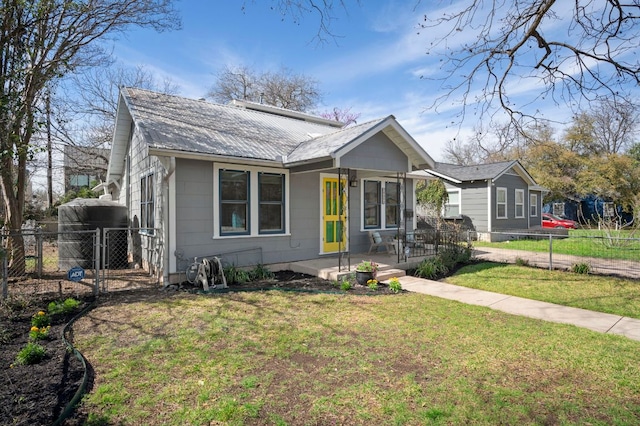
x: 501, y: 203
x: 271, y: 187
x: 381, y: 206
x: 533, y: 205
x: 249, y: 200
x: 392, y: 204
x: 372, y: 203
x: 519, y: 203
x: 452, y: 206
x: 558, y: 209
x: 234, y: 202
x: 608, y: 210
x: 147, y: 213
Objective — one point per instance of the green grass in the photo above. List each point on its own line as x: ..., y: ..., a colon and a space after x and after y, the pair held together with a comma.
x: 290, y: 358
x: 587, y: 243
x: 597, y: 293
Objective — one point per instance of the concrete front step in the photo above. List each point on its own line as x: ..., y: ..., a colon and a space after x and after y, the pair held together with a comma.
x: 387, y: 274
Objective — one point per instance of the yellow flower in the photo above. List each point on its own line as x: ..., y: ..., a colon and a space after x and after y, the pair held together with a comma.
x: 41, y: 313
x: 34, y: 328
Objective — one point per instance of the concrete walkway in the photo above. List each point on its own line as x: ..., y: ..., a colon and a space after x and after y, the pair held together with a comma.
x: 603, y: 323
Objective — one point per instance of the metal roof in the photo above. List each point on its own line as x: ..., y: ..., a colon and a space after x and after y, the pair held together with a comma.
x: 180, y: 124
x: 176, y: 126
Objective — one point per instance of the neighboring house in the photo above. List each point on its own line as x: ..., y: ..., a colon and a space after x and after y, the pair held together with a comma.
x: 255, y: 183
x: 83, y: 166
x: 491, y: 197
x: 589, y: 209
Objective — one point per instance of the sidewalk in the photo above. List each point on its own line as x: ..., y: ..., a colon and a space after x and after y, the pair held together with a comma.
x: 601, y: 322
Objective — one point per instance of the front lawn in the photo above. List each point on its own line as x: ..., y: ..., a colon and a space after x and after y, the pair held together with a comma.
x: 597, y: 293
x: 295, y: 358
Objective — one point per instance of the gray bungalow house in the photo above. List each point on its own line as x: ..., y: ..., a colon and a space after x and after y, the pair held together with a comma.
x: 491, y: 197
x: 254, y: 183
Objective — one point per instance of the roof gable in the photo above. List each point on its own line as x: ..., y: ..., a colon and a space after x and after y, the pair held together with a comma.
x: 458, y: 174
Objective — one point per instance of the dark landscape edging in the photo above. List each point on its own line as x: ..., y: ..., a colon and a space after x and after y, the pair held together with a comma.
x: 70, y: 407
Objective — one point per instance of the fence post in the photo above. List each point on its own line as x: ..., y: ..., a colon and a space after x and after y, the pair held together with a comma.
x: 96, y: 250
x: 39, y: 254
x: 5, y: 273
x: 550, y: 252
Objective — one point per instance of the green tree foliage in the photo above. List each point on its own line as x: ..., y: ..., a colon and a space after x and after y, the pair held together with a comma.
x: 556, y: 168
x: 433, y: 195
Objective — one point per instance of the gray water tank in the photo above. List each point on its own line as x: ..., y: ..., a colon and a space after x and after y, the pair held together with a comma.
x: 83, y: 214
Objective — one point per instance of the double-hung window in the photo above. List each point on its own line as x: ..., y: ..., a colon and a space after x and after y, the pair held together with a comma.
x: 147, y: 212
x: 501, y: 203
x: 392, y: 204
x: 372, y: 203
x: 271, y: 207
x: 519, y: 203
x: 234, y: 202
x: 381, y: 204
x: 533, y: 205
x: 452, y: 206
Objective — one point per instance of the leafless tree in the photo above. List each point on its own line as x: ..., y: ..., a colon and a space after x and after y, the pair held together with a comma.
x: 282, y: 88
x: 342, y: 115
x: 495, y: 142
x: 323, y: 10
x: 614, y: 126
x: 609, y: 128
x: 41, y: 41
x: 573, y: 51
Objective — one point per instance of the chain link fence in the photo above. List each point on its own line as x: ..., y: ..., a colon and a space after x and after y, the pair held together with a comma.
x: 603, y: 254
x: 34, y: 263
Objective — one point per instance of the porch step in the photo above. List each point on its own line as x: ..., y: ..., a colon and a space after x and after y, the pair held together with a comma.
x: 386, y: 274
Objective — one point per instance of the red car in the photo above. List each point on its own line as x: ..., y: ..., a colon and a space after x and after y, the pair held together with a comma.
x: 551, y: 221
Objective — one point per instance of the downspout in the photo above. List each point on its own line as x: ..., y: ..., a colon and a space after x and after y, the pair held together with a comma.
x: 489, y: 205
x: 166, y: 216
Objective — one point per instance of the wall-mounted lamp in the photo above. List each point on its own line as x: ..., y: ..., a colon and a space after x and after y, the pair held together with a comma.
x: 353, y: 179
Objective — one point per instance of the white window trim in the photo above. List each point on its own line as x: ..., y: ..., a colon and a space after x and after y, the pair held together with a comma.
x: 383, y: 204
x: 254, y: 202
x: 553, y: 209
x: 506, y: 203
x: 533, y: 204
x: 516, y: 204
x: 459, y: 203
x: 144, y: 228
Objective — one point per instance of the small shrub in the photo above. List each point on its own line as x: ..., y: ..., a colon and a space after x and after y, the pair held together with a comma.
x: 394, y: 285
x: 68, y: 306
x: 431, y: 268
x: 522, y: 262
x: 345, y: 285
x: 581, y: 268
x: 32, y: 353
x: 41, y: 319
x: 372, y: 284
x: 235, y: 275
x: 261, y: 272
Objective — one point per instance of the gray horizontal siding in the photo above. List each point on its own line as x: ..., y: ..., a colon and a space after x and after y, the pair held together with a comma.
x: 474, y: 205
x: 379, y: 153
x: 511, y: 183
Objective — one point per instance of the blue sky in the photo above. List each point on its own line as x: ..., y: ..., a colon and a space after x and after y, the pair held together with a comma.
x: 373, y: 66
